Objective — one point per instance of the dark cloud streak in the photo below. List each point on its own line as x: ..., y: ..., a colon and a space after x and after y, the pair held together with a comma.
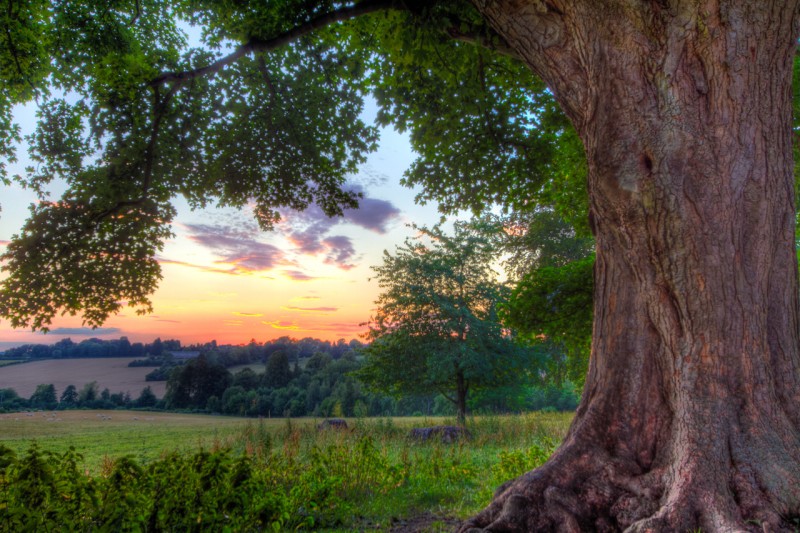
x: 85, y: 331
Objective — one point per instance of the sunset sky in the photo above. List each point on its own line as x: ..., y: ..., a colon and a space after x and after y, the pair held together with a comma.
x: 226, y: 280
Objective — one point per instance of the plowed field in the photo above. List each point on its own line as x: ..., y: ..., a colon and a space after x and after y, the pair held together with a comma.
x: 112, y: 373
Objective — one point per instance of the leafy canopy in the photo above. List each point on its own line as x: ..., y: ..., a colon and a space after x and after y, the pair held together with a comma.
x: 264, y: 111
x: 436, y: 328
x: 554, y: 304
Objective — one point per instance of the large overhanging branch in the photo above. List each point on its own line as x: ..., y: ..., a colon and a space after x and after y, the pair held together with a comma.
x: 548, y: 38
x: 255, y: 45
x: 479, y: 38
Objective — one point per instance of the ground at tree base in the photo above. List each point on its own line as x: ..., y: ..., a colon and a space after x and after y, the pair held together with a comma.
x: 590, y: 497
x: 426, y: 522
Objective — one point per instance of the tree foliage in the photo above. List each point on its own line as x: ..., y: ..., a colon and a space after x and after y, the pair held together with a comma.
x: 436, y: 327
x: 267, y: 109
x: 44, y: 397
x: 195, y: 382
x: 554, y: 304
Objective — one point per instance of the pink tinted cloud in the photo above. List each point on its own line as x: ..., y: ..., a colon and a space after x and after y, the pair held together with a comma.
x: 164, y: 261
x: 311, y: 309
x: 296, y: 275
x: 340, y: 251
x: 237, y: 247
x: 309, y: 230
x: 372, y: 214
x: 341, y: 327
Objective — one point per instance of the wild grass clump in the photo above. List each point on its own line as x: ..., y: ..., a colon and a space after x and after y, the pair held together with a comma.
x: 277, y: 477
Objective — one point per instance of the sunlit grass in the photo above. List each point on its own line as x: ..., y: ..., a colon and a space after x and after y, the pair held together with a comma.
x: 393, y: 478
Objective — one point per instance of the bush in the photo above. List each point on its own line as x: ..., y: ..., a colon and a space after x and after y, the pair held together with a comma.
x: 550, y: 398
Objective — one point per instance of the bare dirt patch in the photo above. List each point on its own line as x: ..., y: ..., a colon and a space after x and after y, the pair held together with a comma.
x: 426, y: 523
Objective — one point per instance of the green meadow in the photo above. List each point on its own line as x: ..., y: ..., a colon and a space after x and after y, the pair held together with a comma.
x: 268, y: 474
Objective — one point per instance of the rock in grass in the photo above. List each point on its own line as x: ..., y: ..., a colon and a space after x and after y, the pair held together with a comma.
x: 447, y: 434
x: 332, y: 423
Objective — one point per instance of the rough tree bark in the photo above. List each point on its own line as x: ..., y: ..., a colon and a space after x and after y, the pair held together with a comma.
x: 691, y: 413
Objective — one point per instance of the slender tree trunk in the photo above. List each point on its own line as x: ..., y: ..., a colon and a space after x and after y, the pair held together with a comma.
x: 461, y: 399
x: 691, y: 413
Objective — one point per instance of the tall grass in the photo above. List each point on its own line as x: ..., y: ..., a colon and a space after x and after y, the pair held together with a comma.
x: 278, y: 477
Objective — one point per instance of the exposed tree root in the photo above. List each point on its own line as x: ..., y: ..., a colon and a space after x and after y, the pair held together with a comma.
x: 577, y: 492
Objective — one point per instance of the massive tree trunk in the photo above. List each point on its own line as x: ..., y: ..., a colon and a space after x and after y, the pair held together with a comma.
x: 691, y: 413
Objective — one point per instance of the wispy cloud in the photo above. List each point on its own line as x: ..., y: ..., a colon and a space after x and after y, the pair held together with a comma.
x: 237, y: 313
x: 341, y: 327
x: 372, y: 214
x: 309, y: 230
x: 281, y: 324
x: 241, y: 247
x: 85, y: 331
x: 164, y: 261
x: 340, y: 251
x: 4, y: 243
x: 169, y: 321
x: 296, y: 275
x: 311, y: 309
x: 237, y: 247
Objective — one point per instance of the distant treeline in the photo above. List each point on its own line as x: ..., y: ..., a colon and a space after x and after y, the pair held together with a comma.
x: 66, y: 349
x: 286, y: 377
x: 87, y: 397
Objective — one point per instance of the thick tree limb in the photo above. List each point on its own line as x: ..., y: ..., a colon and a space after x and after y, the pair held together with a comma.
x: 480, y: 39
x: 259, y: 45
x: 547, y: 38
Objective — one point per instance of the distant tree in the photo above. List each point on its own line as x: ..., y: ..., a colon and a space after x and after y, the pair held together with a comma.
x: 436, y: 328
x: 317, y: 362
x: 552, y: 263
x: 532, y: 239
x: 123, y: 347
x: 88, y: 394
x: 234, y: 401
x: 554, y: 304
x: 156, y: 348
x: 118, y: 399
x: 69, y: 398
x: 146, y: 398
x: 44, y: 397
x: 192, y: 384
x: 171, y: 345
x: 9, y: 399
x: 137, y: 349
x: 247, y: 379
x: 63, y: 348
x: 278, y: 373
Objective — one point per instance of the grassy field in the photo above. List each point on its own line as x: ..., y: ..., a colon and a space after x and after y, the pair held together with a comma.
x: 370, y: 477
x: 112, y: 373
x: 99, y: 434
x: 258, y: 368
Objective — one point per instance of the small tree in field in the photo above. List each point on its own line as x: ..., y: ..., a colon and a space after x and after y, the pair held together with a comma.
x: 436, y: 327
x: 69, y: 398
x: 44, y: 396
